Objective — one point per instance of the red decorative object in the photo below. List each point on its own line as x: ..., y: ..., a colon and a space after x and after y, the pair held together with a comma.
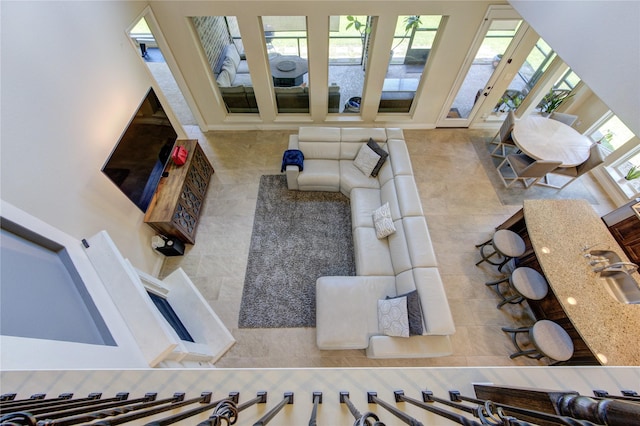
x: 179, y: 155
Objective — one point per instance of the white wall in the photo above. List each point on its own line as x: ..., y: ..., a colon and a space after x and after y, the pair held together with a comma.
x: 600, y: 41
x: 70, y: 83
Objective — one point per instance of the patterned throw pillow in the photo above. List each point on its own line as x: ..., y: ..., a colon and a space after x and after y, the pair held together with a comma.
x: 366, y: 160
x: 383, y: 222
x: 392, y: 317
x: 414, y: 309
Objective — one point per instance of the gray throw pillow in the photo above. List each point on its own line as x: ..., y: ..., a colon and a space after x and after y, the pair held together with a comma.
x: 381, y: 152
x: 414, y: 310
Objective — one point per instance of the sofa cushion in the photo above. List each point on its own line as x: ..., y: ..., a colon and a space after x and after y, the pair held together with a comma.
x: 388, y: 194
x: 419, y: 242
x: 346, y: 314
x: 233, y: 55
x: 314, y: 134
x: 435, y: 306
x: 393, y: 319
x: 372, y: 256
x: 351, y: 177
x: 398, y: 250
x: 229, y: 66
x: 408, y: 198
x: 399, y: 157
x: 319, y: 175
x: 320, y: 150
x: 363, y: 202
x: 366, y: 160
x: 386, y: 172
x: 382, y: 221
x: 363, y: 134
x: 414, y: 312
x: 224, y: 79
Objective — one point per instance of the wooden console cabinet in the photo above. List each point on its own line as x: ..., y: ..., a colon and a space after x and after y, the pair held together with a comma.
x: 176, y: 206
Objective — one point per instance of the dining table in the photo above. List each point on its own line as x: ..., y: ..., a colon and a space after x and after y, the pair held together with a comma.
x: 543, y: 138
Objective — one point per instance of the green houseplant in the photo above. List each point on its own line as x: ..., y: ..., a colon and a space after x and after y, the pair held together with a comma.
x: 633, y: 173
x: 553, y: 100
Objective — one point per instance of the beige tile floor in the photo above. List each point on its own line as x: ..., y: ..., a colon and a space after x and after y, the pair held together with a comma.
x: 461, y: 208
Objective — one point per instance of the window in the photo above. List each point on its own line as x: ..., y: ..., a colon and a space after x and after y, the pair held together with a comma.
x: 412, y: 42
x: 222, y: 44
x: 286, y: 40
x: 349, y: 38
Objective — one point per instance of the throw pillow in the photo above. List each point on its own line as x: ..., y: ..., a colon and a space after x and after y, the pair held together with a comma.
x: 393, y: 318
x: 366, y: 160
x: 381, y: 152
x: 383, y: 222
x: 414, y: 310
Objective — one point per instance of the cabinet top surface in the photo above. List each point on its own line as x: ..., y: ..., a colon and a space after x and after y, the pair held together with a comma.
x: 559, y: 229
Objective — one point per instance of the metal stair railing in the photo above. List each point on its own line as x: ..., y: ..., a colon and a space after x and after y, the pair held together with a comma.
x: 491, y: 406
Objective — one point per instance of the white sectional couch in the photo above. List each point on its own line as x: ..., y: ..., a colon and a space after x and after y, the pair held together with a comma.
x: 346, y: 307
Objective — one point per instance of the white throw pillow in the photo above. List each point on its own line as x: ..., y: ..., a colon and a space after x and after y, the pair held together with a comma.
x: 383, y: 222
x: 366, y: 160
x: 393, y: 319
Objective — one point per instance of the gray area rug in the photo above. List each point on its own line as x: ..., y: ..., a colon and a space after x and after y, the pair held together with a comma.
x: 517, y: 193
x: 297, y: 238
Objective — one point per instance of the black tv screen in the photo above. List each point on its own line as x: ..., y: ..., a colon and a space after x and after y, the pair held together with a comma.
x: 138, y: 160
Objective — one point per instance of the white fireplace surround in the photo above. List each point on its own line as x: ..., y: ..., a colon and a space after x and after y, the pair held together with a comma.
x: 143, y: 337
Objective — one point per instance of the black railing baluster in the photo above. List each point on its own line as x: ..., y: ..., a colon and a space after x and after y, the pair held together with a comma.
x: 129, y: 413
x: 192, y: 412
x: 317, y: 399
x: 627, y: 395
x: 226, y: 411
x: 288, y: 399
x: 61, y: 401
x: 427, y: 398
x: 361, y: 419
x: 372, y: 398
x: 8, y: 396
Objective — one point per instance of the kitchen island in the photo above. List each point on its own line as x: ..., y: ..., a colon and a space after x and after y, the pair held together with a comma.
x: 604, y: 330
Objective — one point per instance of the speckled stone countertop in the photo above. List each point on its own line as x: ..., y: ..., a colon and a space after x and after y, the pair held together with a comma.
x: 559, y: 229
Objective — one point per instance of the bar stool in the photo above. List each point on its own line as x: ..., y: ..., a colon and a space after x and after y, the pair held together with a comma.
x: 547, y: 338
x: 525, y: 283
x: 507, y: 244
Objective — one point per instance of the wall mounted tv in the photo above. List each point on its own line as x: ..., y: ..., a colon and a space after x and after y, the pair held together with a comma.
x: 138, y: 160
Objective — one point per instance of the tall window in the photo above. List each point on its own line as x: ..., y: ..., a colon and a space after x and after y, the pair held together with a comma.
x: 611, y: 134
x: 412, y: 42
x: 286, y: 40
x: 349, y: 38
x: 222, y: 43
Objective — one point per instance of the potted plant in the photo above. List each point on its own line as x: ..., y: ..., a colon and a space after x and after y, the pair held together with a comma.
x: 553, y: 100
x: 633, y: 173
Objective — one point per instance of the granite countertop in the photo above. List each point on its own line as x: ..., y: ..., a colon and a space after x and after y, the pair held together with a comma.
x: 558, y: 230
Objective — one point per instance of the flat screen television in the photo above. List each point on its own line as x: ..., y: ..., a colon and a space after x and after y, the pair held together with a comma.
x: 138, y: 160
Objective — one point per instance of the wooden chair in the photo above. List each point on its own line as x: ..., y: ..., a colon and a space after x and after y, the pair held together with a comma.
x: 526, y: 169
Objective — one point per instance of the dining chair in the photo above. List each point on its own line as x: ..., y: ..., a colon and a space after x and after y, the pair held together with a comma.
x: 596, y: 157
x: 526, y: 169
x: 504, y: 136
x: 567, y: 119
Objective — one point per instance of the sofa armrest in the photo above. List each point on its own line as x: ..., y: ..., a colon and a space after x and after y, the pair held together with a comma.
x: 292, y: 173
x: 381, y: 347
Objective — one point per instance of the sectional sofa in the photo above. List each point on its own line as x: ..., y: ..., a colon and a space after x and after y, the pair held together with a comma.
x: 349, y: 309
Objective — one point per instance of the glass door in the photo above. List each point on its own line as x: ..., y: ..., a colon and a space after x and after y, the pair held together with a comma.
x: 499, y: 32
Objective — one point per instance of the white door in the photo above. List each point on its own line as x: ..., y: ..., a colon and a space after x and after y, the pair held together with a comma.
x: 500, y: 32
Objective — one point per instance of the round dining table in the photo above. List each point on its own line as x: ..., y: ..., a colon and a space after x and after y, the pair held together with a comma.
x: 542, y: 138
